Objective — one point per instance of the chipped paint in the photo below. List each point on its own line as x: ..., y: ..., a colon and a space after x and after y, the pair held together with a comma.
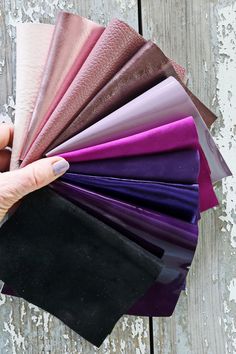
x: 226, y: 140
x: 18, y: 341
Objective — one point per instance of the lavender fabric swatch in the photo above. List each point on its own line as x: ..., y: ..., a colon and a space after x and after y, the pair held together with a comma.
x: 171, y: 239
x: 162, y: 104
x: 73, y: 39
x: 154, y: 167
x: 117, y: 44
x: 32, y: 48
x: 178, y: 200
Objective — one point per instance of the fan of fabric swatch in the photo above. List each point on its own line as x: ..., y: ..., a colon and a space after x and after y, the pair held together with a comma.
x: 117, y: 233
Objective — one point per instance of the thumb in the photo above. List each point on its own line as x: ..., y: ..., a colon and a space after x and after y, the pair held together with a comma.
x: 14, y: 185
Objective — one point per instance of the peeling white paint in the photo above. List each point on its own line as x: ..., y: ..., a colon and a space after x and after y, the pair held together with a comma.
x: 18, y: 341
x: 232, y: 290
x: 226, y: 140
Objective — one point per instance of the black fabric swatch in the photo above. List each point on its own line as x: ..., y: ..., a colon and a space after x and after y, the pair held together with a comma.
x: 60, y: 258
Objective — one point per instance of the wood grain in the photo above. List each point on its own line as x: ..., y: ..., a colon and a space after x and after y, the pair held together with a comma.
x: 189, y: 32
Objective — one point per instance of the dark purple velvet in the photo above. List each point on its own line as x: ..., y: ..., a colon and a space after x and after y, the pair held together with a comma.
x: 173, y: 240
x: 176, y: 167
x: 178, y: 200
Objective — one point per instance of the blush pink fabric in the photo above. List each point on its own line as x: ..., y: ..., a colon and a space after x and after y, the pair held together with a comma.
x: 117, y: 44
x: 33, y: 41
x: 179, y: 135
x: 73, y: 39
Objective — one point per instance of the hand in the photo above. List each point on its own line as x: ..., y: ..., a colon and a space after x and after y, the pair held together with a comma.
x: 14, y: 185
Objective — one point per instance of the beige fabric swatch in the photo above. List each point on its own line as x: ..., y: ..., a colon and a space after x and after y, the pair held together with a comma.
x: 33, y: 41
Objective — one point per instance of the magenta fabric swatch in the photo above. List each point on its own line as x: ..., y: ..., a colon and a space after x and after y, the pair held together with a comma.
x: 179, y: 135
x: 162, y: 104
x: 117, y: 44
x: 73, y: 39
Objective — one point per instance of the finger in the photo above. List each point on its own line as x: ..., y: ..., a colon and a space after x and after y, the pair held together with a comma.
x: 14, y: 185
x: 6, y: 135
x: 5, y: 156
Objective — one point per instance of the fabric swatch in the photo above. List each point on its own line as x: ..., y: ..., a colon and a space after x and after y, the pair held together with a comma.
x: 162, y: 104
x: 144, y: 70
x: 148, y: 67
x: 73, y: 39
x: 73, y: 265
x: 175, y: 136
x: 32, y: 48
x: 171, y: 239
x: 178, y: 200
x: 117, y: 44
x: 154, y: 167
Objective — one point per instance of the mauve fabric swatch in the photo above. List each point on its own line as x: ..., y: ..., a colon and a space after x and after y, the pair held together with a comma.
x: 179, y: 166
x: 32, y: 46
x: 73, y: 39
x: 178, y: 135
x: 117, y: 44
x: 72, y: 265
x: 177, y: 200
x: 144, y: 70
x: 162, y: 104
x: 171, y: 239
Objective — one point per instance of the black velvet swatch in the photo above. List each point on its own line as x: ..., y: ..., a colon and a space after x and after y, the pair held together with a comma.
x: 60, y: 258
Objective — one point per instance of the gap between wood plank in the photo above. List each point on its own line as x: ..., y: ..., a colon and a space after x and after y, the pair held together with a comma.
x: 140, y: 19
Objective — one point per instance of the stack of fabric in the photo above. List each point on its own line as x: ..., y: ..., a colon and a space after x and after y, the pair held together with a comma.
x: 117, y: 233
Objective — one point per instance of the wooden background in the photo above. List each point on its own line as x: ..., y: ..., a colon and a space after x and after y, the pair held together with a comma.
x: 200, y: 35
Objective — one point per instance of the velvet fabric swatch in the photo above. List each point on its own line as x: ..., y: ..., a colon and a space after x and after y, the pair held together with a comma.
x: 175, y: 136
x: 154, y: 167
x: 32, y: 48
x: 171, y: 239
x: 73, y: 39
x: 178, y: 200
x: 162, y: 104
x: 117, y: 44
x: 73, y: 265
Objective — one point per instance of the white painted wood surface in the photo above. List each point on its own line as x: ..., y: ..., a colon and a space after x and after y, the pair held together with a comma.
x: 200, y: 34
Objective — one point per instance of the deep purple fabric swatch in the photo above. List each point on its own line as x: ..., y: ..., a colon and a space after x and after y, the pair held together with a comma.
x: 176, y: 167
x: 178, y: 200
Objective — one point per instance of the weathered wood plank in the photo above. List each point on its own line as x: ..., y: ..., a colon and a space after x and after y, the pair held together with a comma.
x: 201, y: 36
x: 25, y: 328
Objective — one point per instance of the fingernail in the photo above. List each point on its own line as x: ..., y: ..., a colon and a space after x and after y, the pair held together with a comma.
x: 60, y: 167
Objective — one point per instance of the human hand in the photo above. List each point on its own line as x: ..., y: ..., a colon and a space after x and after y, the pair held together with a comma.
x: 14, y: 185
